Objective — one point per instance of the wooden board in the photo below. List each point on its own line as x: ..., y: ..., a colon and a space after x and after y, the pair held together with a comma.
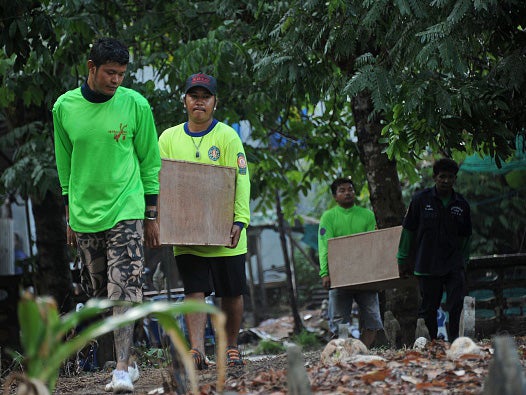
x: 196, y: 203
x: 366, y: 260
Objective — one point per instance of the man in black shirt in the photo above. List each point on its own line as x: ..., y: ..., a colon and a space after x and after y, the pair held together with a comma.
x: 437, y: 231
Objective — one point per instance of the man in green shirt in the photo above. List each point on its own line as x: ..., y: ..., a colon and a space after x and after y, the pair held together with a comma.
x: 108, y: 165
x: 206, y: 269
x: 342, y: 220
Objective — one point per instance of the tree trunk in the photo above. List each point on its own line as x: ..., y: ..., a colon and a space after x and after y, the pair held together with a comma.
x: 382, y: 176
x: 298, y: 326
x: 386, y: 199
x: 54, y: 274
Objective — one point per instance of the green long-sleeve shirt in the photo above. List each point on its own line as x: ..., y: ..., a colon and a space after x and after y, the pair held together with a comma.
x: 339, y: 221
x: 218, y: 145
x: 107, y: 157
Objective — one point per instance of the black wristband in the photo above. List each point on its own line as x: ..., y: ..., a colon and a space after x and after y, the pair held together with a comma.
x: 150, y: 214
x: 150, y: 200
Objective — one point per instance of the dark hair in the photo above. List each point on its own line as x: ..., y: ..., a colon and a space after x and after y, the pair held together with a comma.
x: 107, y: 49
x: 339, y: 181
x: 445, y: 164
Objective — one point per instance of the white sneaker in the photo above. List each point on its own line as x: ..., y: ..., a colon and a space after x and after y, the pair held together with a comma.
x: 121, y: 382
x: 134, y: 372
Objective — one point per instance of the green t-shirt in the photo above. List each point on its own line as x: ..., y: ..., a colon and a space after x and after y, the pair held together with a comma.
x: 339, y: 221
x: 218, y: 145
x: 107, y: 157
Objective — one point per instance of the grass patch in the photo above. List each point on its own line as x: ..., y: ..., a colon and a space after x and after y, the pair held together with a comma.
x: 269, y: 347
x: 307, y: 340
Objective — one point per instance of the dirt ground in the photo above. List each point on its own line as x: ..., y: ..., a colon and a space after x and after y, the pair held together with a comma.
x: 152, y: 379
x: 238, y: 379
x: 385, y: 371
x: 426, y: 371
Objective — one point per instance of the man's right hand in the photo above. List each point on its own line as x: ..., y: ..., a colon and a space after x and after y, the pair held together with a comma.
x: 326, y: 282
x: 404, y: 271
x: 152, y: 238
x: 71, y: 237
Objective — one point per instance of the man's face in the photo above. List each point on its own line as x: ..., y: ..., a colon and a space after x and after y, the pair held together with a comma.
x: 106, y: 78
x: 345, y: 195
x: 444, y: 181
x: 200, y: 104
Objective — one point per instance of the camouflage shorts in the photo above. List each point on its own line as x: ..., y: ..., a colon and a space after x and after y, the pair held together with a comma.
x: 112, y: 262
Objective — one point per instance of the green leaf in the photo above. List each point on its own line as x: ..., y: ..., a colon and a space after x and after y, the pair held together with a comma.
x: 109, y: 324
x: 12, y: 29
x: 22, y: 28
x: 32, y: 327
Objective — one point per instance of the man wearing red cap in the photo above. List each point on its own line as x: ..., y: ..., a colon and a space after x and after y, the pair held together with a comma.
x: 207, y: 269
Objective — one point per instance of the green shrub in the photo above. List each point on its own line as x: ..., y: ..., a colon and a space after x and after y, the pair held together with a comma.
x: 307, y: 278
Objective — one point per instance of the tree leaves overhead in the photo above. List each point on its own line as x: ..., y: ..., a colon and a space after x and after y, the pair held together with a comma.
x: 469, y: 54
x: 444, y: 75
x: 33, y: 158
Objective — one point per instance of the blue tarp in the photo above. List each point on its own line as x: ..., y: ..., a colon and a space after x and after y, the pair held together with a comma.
x: 477, y: 164
x: 310, y: 235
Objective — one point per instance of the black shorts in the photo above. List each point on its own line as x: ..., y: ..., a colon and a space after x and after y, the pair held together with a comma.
x: 225, y: 276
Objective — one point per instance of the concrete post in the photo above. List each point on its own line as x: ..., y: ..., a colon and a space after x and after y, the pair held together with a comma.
x: 7, y: 247
x: 467, y: 319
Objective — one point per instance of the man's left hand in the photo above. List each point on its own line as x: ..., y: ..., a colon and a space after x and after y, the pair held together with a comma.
x: 151, y: 234
x: 326, y: 282
x: 235, y: 233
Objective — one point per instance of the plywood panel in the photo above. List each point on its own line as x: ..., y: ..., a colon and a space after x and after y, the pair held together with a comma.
x: 365, y: 260
x: 196, y: 203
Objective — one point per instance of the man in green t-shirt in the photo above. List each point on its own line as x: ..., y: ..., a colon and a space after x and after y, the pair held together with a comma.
x: 108, y: 165
x: 342, y: 220
x: 206, y: 269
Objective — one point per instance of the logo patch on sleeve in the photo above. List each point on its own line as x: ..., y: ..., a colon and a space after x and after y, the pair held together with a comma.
x: 241, y: 163
x: 323, y: 231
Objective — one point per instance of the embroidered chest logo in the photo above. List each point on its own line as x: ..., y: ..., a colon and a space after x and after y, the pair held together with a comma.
x: 456, y: 210
x: 214, y: 153
x: 121, y: 133
x: 428, y: 207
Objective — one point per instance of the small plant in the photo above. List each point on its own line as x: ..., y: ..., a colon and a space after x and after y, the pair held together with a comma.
x: 307, y: 276
x: 269, y: 347
x: 14, y: 363
x: 157, y: 353
x: 307, y: 340
x: 43, y: 336
x: 155, y: 357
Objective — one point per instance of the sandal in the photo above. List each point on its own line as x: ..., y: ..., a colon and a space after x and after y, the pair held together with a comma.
x: 233, y: 357
x: 199, y: 359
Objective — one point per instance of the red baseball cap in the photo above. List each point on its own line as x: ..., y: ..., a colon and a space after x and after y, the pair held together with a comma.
x: 203, y: 80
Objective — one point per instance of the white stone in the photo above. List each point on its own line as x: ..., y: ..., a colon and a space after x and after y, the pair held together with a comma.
x: 462, y: 346
x: 420, y: 343
x: 339, y: 350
